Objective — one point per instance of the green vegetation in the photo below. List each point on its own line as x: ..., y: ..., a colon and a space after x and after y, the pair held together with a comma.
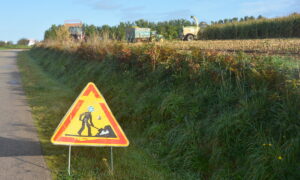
x: 169, y: 29
x: 49, y: 100
x: 284, y: 27
x: 197, y: 114
x: 5, y: 43
x: 245, y: 28
x: 21, y: 44
x: 15, y: 46
x: 23, y: 41
x: 236, y: 19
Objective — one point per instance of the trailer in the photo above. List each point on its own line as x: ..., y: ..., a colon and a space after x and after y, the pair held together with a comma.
x: 136, y: 34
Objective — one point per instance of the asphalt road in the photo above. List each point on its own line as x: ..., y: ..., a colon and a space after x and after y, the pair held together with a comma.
x: 20, y: 151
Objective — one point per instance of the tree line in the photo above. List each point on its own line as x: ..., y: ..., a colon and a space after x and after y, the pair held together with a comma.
x: 22, y: 41
x: 247, y: 27
x: 169, y: 29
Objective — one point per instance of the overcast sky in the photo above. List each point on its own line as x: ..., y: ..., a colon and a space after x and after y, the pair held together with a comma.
x: 30, y: 18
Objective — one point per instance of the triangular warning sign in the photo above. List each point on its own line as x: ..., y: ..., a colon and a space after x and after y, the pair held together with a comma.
x: 89, y: 122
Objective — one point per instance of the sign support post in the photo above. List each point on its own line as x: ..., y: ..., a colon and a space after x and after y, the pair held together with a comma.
x: 111, y: 160
x: 69, y: 165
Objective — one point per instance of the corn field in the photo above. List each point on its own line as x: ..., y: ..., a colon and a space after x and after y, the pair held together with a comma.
x: 283, y: 27
x: 285, y: 47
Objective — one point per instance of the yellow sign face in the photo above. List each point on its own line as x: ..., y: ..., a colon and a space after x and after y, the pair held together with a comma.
x: 89, y: 122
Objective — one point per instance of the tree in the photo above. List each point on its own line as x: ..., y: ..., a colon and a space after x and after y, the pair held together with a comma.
x: 63, y: 34
x: 235, y: 19
x: 23, y: 41
x: 251, y: 18
x: 142, y: 23
x: 260, y: 17
x: 90, y: 30
x: 2, y: 43
x: 51, y: 33
x: 9, y: 43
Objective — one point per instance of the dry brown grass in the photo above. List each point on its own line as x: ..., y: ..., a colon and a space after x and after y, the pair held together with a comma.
x: 257, y: 46
x: 272, y: 46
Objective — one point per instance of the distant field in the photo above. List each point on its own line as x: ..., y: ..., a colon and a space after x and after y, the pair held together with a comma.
x: 271, y: 46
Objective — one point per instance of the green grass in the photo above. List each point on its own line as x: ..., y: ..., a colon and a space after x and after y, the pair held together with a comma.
x: 16, y: 47
x: 192, y: 116
x: 49, y: 101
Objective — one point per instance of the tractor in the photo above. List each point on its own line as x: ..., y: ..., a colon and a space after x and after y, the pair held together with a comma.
x: 75, y: 28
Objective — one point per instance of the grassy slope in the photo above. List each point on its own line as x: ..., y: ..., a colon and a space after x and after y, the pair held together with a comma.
x: 50, y: 100
x: 220, y: 123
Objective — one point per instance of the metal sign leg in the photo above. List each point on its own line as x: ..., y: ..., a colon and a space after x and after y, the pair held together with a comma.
x: 111, y: 160
x: 69, y: 166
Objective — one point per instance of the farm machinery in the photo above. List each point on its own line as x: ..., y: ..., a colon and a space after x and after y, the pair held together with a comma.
x: 189, y: 33
x: 75, y: 28
x: 136, y: 34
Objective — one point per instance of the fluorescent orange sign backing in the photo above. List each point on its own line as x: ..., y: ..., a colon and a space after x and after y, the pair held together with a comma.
x: 89, y: 122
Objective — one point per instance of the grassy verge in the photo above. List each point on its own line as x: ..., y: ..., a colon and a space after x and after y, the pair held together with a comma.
x: 203, y: 115
x: 16, y: 47
x: 49, y: 101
